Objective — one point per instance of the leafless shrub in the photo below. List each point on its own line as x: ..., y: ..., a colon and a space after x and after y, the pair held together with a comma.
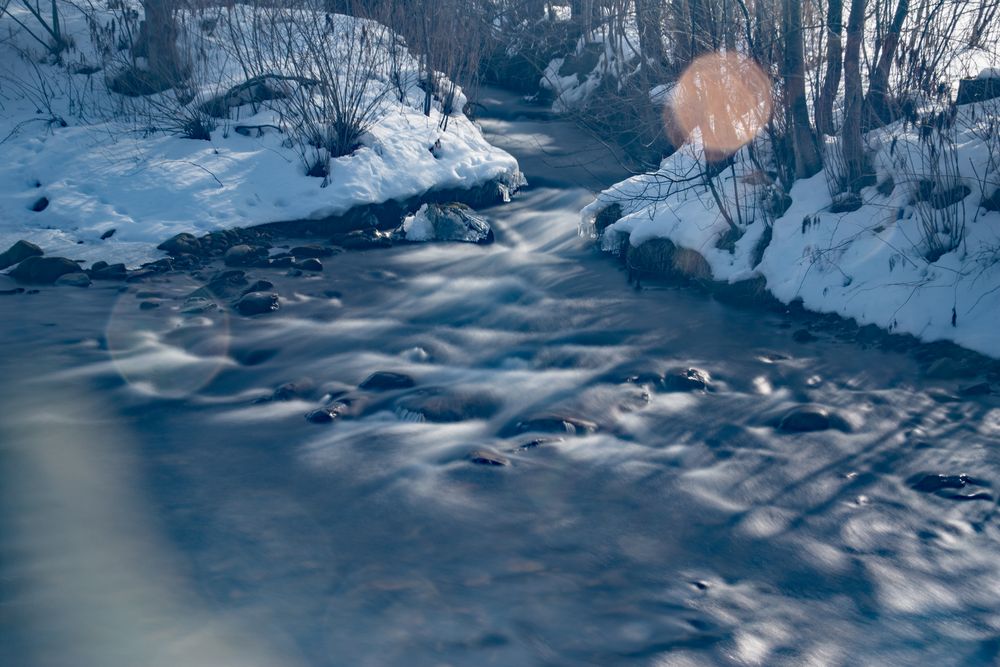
x: 336, y: 73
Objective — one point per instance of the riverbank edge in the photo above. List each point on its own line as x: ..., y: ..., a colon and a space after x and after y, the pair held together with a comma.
x: 658, y: 260
x: 388, y: 215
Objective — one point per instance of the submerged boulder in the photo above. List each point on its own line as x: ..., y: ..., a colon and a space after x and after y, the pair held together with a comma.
x: 811, y: 418
x: 257, y: 303
x: 447, y: 222
x: 387, y: 381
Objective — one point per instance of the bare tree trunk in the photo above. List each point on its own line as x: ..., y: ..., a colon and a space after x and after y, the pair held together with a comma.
x: 159, y: 41
x: 853, y: 146
x: 834, y: 67
x: 649, y: 19
x: 807, y: 158
x: 878, y: 84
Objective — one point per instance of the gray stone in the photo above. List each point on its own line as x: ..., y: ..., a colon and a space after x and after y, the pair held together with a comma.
x: 43, y: 270
x: 19, y: 252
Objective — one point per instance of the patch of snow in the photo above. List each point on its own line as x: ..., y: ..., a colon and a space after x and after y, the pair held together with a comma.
x: 106, y: 170
x: 870, y: 264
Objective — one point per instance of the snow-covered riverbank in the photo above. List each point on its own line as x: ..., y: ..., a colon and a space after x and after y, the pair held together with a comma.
x: 88, y: 159
x: 873, y: 264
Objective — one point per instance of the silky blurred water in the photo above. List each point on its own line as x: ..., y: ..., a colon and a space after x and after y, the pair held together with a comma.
x: 154, y: 513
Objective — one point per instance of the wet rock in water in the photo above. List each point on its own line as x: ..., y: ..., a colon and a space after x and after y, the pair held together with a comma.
x: 645, y: 378
x: 311, y: 264
x: 337, y: 410
x: 321, y: 416
x: 437, y: 405
x: 485, y: 457
x: 43, y: 270
x: 311, y: 251
x: 254, y: 357
x: 686, y: 379
x: 78, y: 279
x: 550, y: 424
x: 535, y: 443
x: 811, y: 418
x: 980, y: 389
x: 290, y: 391
x: 148, y: 305
x: 281, y: 262
x: 259, y: 286
x: 362, y: 239
x: 181, y: 244
x: 140, y: 276
x: 447, y: 222
x: 19, y: 252
x: 105, y: 271
x: 257, y: 303
x: 198, y: 304
x: 12, y: 292
x: 804, y: 336
x: 223, y: 284
x: 948, y: 486
x: 661, y: 258
x: 387, y: 381
x: 108, y: 234
x: 159, y: 266
x: 949, y: 368
x: 245, y: 255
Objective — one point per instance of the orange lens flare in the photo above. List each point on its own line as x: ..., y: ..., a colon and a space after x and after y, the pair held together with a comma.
x: 726, y: 96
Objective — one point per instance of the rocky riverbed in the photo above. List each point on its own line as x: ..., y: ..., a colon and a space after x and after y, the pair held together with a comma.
x: 477, y: 454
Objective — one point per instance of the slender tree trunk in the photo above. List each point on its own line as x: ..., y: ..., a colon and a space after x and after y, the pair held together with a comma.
x: 853, y: 146
x: 807, y: 158
x: 878, y: 85
x: 160, y: 41
x: 834, y: 67
x: 649, y: 19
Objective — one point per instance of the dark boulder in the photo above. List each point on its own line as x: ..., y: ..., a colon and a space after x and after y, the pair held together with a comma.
x: 43, y: 270
x: 978, y: 89
x: 108, y: 271
x: 952, y: 487
x: 485, y: 457
x: 387, y: 381
x: 311, y: 264
x: 811, y: 418
x: 245, y: 255
x: 19, y: 252
x: 362, y: 239
x: 550, y: 424
x: 78, y: 279
x: 686, y: 379
x: 315, y: 251
x: 438, y: 405
x: 257, y: 303
x: 259, y: 286
x: 661, y: 258
x: 181, y: 244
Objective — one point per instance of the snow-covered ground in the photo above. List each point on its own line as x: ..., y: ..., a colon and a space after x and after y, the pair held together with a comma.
x: 106, y: 170
x: 873, y: 264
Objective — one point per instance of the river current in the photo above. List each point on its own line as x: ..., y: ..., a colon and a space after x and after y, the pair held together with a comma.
x: 162, y: 504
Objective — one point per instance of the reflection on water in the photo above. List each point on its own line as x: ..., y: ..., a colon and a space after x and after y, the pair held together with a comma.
x: 633, y: 523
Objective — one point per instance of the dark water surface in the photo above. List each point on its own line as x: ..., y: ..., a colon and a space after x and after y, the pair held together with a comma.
x: 155, y: 512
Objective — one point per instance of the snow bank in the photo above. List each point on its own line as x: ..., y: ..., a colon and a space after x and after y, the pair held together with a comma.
x: 106, y: 170
x: 872, y: 264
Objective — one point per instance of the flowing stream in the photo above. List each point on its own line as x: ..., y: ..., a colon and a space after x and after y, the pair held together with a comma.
x: 158, y: 509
